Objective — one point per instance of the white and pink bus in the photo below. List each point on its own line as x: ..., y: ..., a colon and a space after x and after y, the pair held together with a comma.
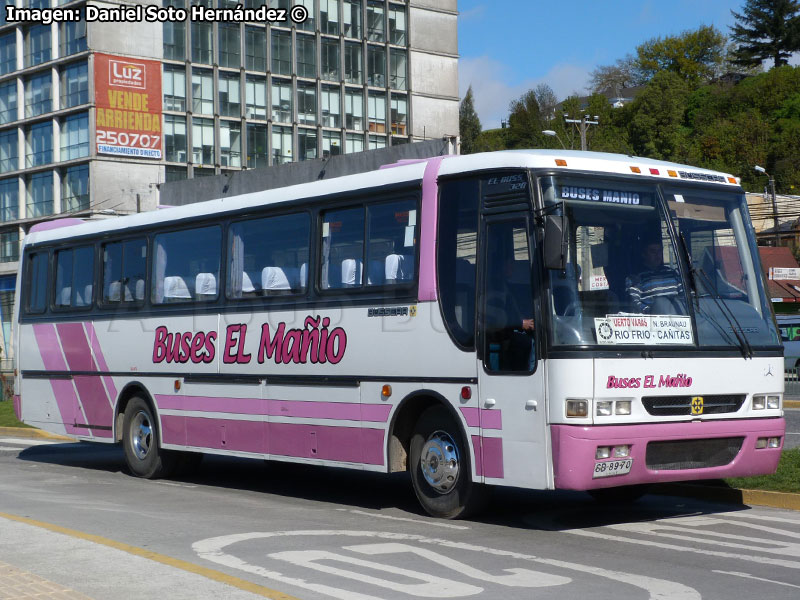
x: 536, y: 319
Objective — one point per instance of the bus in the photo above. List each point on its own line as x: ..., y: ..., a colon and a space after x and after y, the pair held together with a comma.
x: 536, y: 319
x: 789, y: 327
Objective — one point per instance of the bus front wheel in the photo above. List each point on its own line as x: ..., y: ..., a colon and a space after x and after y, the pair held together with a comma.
x: 440, y: 467
x: 143, y: 452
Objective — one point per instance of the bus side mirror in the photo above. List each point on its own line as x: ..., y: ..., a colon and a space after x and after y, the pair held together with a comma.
x: 555, y: 242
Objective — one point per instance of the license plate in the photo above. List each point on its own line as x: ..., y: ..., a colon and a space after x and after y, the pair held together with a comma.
x: 610, y: 468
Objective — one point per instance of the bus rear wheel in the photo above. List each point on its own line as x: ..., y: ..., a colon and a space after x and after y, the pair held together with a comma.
x: 440, y: 467
x: 143, y: 453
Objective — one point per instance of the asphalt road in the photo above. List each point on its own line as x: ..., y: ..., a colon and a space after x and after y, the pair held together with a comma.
x: 316, y: 533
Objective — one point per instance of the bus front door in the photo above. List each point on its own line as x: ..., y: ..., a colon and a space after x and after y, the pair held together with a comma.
x: 513, y: 444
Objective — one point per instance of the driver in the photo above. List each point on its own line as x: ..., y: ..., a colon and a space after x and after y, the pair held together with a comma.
x: 658, y: 288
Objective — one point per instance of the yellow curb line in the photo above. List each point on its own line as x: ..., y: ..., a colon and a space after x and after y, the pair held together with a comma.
x: 28, y: 432
x: 771, y: 499
x: 176, y: 563
x: 791, y: 404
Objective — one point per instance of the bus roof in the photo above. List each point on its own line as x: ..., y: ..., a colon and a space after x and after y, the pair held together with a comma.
x: 404, y: 172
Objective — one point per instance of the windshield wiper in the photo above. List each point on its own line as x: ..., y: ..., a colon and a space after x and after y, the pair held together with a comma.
x: 744, y: 345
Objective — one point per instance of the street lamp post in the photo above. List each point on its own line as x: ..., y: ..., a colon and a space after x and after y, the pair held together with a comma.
x: 774, y: 204
x: 583, y: 126
x: 552, y: 133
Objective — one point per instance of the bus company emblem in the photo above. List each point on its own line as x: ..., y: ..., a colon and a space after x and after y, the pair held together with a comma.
x: 697, y: 405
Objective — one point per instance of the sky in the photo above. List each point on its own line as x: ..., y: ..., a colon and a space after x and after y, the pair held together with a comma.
x: 507, y: 47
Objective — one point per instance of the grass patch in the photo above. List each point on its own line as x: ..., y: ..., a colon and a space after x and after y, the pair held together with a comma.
x: 7, y: 417
x: 786, y: 479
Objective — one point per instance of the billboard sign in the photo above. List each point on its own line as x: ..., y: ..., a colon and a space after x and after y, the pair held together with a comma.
x: 128, y: 98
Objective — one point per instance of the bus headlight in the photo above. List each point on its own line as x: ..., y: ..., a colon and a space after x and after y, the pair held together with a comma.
x: 604, y: 408
x: 623, y: 407
x: 577, y: 408
x: 759, y: 402
x: 622, y: 451
x: 773, y: 402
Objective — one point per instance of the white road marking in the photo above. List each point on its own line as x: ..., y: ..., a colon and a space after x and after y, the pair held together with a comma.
x: 749, y: 514
x: 748, y: 576
x: 171, y: 483
x: 212, y: 549
x: 406, y: 519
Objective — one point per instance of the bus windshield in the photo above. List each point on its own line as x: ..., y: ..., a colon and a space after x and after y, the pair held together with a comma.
x: 625, y: 283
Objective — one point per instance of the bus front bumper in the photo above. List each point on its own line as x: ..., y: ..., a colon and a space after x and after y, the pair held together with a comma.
x: 664, y: 452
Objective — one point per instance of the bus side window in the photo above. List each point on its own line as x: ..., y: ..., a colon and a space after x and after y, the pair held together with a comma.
x: 124, y: 268
x: 391, y: 250
x: 74, y: 277
x: 456, y: 257
x: 342, y: 249
x: 37, y: 278
x: 186, y: 265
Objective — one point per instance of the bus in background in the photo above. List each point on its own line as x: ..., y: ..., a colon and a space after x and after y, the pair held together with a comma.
x: 535, y: 319
x: 789, y: 327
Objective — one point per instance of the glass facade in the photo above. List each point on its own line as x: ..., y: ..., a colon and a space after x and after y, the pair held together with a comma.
x: 75, y: 189
x: 39, y: 144
x: 75, y: 136
x: 74, y: 85
x: 8, y: 102
x: 38, y: 94
x: 39, y: 194
x: 9, y: 199
x: 37, y: 45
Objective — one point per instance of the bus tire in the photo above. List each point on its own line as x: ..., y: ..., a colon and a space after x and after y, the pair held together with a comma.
x: 625, y: 494
x: 440, y: 467
x: 140, y: 442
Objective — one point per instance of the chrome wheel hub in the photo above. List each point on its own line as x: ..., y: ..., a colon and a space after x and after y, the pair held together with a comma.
x: 440, y: 462
x: 142, y: 435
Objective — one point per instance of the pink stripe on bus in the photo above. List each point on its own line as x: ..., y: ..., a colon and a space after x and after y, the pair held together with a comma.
x: 76, y: 347
x: 344, y: 411
x: 491, y: 419
x: 492, y: 457
x: 101, y: 360
x: 173, y: 430
x: 476, y: 449
x: 49, y: 348
x: 95, y: 403
x: 471, y: 415
x: 427, y: 256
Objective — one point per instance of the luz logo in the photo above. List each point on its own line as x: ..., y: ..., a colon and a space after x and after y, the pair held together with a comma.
x: 126, y: 74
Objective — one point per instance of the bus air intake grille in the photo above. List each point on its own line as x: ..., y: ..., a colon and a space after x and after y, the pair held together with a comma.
x: 663, y: 406
x: 692, y: 454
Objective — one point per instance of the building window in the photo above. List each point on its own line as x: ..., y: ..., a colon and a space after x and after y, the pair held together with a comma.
x: 9, y: 250
x: 175, y: 139
x: 281, y: 52
x: 37, y: 45
x: 255, y: 89
x: 310, y: 23
x: 306, y: 56
x: 330, y: 101
x: 281, y: 101
x: 202, y: 92
x: 174, y: 88
x: 9, y: 199
x: 376, y: 111
x: 8, y: 52
x: 75, y: 189
x: 201, y: 172
x: 330, y: 67
x: 376, y: 66
x: 376, y: 31
x: 230, y: 144
x: 39, y: 144
x: 39, y: 200
x: 351, y: 18
x: 398, y: 69
x: 73, y: 37
x: 255, y: 41
x: 9, y: 150
x: 281, y: 145
x: 38, y: 96
x: 75, y: 136
x: 399, y: 114
x: 229, y: 46
x: 354, y: 109
x: 174, y: 40
x: 306, y: 104
x: 203, y: 141
x: 74, y: 85
x: 397, y: 25
x: 306, y: 143
x: 175, y: 173
x: 329, y: 17
x: 331, y: 143
x: 8, y: 102
x: 354, y: 143
x: 202, y: 50
x: 353, y: 66
x: 284, y: 4
x: 257, y: 147
x: 230, y: 100
x: 376, y: 142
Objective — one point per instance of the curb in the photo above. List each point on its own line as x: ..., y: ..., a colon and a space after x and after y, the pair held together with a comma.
x: 791, y: 404
x: 728, y: 495
x: 29, y: 432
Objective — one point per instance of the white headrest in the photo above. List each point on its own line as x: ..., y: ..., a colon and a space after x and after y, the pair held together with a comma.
x: 351, y: 271
x: 175, y: 287
x: 273, y: 278
x: 206, y: 284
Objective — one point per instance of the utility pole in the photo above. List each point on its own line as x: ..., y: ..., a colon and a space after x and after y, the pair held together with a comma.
x: 774, y: 204
x: 583, y: 127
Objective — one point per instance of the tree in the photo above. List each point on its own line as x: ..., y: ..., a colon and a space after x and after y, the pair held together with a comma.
x: 614, y: 78
x: 693, y: 55
x: 656, y: 117
x: 766, y: 30
x: 526, y: 122
x: 468, y: 123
